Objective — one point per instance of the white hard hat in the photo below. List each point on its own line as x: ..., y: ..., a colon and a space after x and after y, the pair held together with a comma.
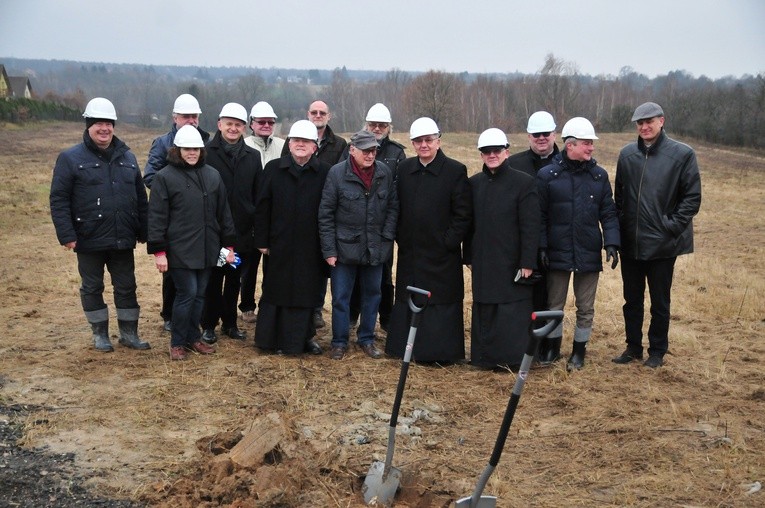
x: 579, y: 128
x: 99, y: 107
x: 188, y: 137
x: 379, y: 113
x: 423, y: 126
x: 541, y: 121
x: 492, y: 137
x: 304, y: 129
x: 234, y: 110
x: 187, y: 104
x: 262, y: 109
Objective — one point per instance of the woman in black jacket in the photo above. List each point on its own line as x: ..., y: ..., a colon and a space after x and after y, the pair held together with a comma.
x: 189, y: 222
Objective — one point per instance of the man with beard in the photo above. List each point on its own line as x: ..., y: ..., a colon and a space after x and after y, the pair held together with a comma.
x: 434, y: 217
x: 501, y: 250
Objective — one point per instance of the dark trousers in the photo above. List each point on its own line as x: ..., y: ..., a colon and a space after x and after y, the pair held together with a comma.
x: 121, y: 266
x: 221, y: 297
x: 189, y: 300
x: 249, y: 273
x: 387, y: 290
x: 658, y: 273
x: 168, y: 296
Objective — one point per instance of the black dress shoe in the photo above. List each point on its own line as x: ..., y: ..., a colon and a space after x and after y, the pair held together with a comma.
x: 313, y: 347
x: 654, y: 361
x: 234, y: 332
x: 627, y: 357
x: 208, y: 335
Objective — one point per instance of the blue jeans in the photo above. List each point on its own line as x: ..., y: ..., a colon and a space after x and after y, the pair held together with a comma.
x: 190, y: 287
x: 343, y: 278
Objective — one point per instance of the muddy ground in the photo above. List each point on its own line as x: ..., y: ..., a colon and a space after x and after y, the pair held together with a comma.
x: 81, y: 428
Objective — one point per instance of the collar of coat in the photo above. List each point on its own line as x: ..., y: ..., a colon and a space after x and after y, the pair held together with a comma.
x: 648, y: 150
x: 566, y: 164
x: 433, y: 166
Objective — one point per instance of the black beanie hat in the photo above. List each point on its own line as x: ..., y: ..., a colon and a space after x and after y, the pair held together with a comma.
x: 90, y: 121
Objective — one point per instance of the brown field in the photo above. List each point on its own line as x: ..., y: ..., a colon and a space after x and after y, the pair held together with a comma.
x: 143, y: 428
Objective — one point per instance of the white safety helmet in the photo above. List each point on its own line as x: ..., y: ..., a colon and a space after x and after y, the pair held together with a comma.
x: 187, y: 104
x: 541, y: 121
x: 379, y: 113
x: 99, y: 107
x: 262, y: 109
x: 304, y: 129
x: 579, y: 128
x: 492, y: 137
x: 423, y: 126
x: 188, y: 137
x: 234, y: 110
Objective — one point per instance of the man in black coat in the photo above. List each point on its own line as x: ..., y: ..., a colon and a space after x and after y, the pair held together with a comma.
x: 501, y: 250
x: 99, y: 208
x: 287, y: 234
x: 239, y: 166
x: 434, y: 217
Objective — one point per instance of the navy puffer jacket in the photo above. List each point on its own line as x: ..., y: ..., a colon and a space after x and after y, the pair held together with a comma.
x: 576, y: 201
x: 97, y: 198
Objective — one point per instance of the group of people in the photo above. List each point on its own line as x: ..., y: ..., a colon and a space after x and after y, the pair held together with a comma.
x: 317, y: 208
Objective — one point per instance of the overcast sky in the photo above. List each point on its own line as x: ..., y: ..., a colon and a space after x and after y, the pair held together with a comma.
x: 703, y: 37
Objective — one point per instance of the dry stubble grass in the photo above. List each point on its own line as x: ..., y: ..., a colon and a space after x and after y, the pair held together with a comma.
x: 687, y: 434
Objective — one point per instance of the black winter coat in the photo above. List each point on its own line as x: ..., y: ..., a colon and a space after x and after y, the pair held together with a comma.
x: 358, y: 225
x: 504, y: 236
x: 95, y: 198
x: 287, y: 223
x: 240, y: 178
x: 576, y: 201
x: 189, y: 216
x: 434, y: 217
x: 658, y: 192
x: 529, y: 162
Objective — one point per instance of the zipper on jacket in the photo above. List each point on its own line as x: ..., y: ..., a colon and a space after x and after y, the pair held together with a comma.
x: 637, y: 203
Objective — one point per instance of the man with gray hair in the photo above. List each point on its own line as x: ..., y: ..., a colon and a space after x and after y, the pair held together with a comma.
x: 657, y: 194
x: 357, y: 226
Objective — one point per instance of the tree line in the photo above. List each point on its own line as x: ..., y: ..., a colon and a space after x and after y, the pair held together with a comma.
x: 728, y: 110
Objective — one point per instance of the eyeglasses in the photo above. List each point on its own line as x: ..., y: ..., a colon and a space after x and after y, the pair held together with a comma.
x: 542, y: 134
x: 264, y: 122
x: 424, y: 139
x: 488, y: 150
x: 378, y: 125
x: 319, y: 113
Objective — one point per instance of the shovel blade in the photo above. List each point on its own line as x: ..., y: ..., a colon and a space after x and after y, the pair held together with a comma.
x: 483, y: 502
x: 379, y: 489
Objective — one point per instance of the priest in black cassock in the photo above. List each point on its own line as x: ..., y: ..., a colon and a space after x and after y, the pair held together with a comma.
x: 502, y: 245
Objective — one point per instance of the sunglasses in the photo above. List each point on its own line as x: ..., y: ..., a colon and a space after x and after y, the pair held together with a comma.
x: 319, y: 113
x: 542, y: 134
x: 488, y: 150
x: 264, y: 122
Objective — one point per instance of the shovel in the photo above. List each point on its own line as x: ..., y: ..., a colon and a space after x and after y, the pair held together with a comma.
x: 477, y: 500
x: 383, y: 479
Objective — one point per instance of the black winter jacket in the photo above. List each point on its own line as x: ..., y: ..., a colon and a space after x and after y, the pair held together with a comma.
x: 189, y: 216
x: 96, y: 199
x: 657, y: 193
x: 358, y: 225
x: 240, y: 178
x: 576, y: 202
x: 530, y: 162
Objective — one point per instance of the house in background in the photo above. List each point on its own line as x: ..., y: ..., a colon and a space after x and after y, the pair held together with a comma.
x: 5, y: 84
x: 20, y: 87
x: 16, y: 87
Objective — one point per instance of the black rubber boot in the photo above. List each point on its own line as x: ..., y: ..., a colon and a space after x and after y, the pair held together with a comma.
x: 101, y: 337
x: 544, y: 346
x: 552, y: 354
x: 576, y: 360
x: 129, y: 335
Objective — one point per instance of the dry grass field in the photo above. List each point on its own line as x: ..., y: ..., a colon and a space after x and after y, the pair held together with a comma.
x: 690, y: 434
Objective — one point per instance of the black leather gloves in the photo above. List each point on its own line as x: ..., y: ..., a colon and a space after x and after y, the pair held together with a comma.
x: 612, y: 254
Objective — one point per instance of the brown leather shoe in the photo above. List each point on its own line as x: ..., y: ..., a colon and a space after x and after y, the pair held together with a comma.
x: 337, y: 353
x: 371, y: 351
x: 177, y: 353
x: 202, y: 348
